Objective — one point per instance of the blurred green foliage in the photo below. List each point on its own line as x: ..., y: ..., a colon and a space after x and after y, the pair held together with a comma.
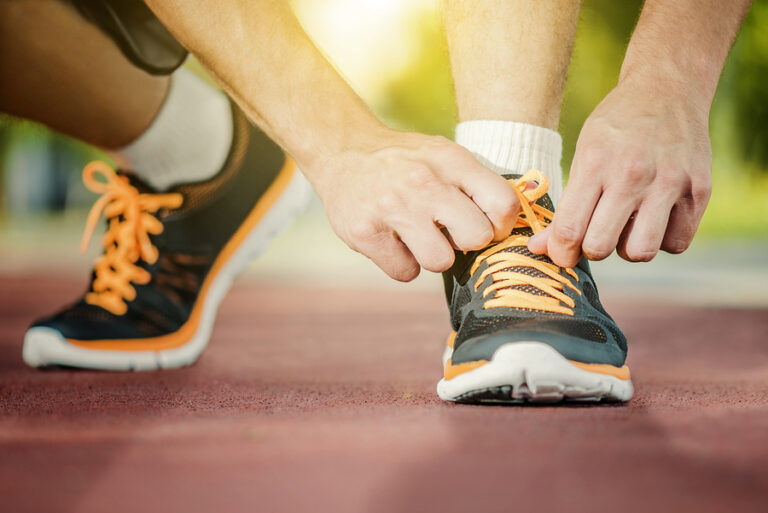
x: 421, y: 99
x: 745, y: 83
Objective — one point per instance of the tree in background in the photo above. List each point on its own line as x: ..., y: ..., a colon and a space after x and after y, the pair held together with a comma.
x: 746, y: 84
x: 422, y: 97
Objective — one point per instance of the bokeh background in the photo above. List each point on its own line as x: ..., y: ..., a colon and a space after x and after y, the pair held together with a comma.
x: 393, y: 52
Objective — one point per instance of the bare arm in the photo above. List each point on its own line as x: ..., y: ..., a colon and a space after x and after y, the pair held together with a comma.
x: 261, y: 56
x: 640, y: 179
x: 685, y: 41
x: 386, y: 193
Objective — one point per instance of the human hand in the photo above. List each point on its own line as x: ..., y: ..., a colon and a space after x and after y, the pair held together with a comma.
x: 640, y: 179
x: 408, y: 202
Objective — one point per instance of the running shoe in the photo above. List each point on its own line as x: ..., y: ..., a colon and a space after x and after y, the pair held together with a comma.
x: 169, y: 259
x: 525, y: 329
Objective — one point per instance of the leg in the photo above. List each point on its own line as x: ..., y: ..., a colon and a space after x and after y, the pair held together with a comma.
x: 64, y: 72
x: 205, y: 191
x: 58, y: 69
x: 510, y: 60
x: 524, y: 329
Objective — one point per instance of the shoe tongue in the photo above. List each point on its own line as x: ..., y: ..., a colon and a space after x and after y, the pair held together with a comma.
x: 142, y: 186
x: 545, y: 201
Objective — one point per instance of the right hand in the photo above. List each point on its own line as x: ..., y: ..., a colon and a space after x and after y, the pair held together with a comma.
x: 408, y: 203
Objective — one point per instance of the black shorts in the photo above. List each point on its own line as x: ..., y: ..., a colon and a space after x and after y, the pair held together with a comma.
x: 137, y: 32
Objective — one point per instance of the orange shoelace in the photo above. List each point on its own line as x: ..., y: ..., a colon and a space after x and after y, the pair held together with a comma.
x: 126, y: 241
x: 501, y: 263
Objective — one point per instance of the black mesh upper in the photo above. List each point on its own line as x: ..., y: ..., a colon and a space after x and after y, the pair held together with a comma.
x: 590, y: 335
x: 192, y: 238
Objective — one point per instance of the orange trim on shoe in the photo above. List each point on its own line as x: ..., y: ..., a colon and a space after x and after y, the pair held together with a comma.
x: 451, y: 370
x: 181, y: 336
x: 603, y: 368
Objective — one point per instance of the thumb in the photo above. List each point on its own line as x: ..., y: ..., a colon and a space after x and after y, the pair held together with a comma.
x: 538, y: 243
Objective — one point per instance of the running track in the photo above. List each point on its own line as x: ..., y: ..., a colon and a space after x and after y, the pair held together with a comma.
x: 324, y: 401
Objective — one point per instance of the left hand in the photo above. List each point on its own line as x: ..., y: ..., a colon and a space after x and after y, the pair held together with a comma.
x: 640, y: 179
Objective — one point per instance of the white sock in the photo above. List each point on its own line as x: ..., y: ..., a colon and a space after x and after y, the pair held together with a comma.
x: 190, y: 138
x: 510, y: 147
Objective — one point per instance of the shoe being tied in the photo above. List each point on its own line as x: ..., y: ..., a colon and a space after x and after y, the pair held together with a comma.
x: 169, y: 259
x: 525, y: 329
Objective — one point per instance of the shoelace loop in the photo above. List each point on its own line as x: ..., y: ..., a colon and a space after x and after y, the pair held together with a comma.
x: 126, y: 241
x: 501, y: 262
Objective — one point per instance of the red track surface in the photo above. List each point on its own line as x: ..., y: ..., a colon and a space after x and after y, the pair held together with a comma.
x: 324, y: 401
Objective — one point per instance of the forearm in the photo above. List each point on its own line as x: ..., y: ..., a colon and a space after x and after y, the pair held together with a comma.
x: 261, y: 56
x: 385, y: 192
x: 640, y: 179
x: 684, y: 41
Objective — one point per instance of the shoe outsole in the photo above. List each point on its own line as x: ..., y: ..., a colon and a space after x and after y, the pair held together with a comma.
x: 45, y: 347
x: 531, y: 372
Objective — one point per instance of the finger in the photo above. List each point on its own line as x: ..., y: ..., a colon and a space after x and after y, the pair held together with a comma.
x: 646, y: 230
x: 608, y: 221
x: 391, y: 255
x: 572, y: 217
x: 468, y: 227
x: 685, y: 217
x: 428, y: 245
x: 538, y: 243
x: 621, y: 247
x: 493, y: 194
x: 681, y: 228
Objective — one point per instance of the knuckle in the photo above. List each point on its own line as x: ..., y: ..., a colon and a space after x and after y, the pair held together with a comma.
x: 440, y: 262
x: 503, y: 203
x: 567, y: 233
x: 592, y: 156
x: 670, y: 179
x: 478, y: 239
x: 485, y: 236
x: 596, y: 250
x: 701, y: 190
x: 676, y: 245
x: 390, y: 201
x: 640, y: 255
x: 637, y: 172
x: 406, y: 273
x: 362, y: 230
x: 420, y: 176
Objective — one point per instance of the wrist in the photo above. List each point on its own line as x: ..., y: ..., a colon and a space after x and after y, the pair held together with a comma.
x: 315, y: 150
x: 323, y: 159
x: 688, y: 72
x: 660, y: 79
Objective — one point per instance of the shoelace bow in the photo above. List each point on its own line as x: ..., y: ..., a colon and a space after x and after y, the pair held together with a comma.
x: 126, y: 241
x: 501, y: 263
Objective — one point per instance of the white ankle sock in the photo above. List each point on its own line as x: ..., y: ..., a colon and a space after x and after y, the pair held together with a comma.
x: 190, y: 138
x: 510, y: 147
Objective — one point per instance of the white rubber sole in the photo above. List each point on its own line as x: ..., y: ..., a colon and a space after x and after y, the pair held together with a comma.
x: 531, y: 372
x: 45, y: 346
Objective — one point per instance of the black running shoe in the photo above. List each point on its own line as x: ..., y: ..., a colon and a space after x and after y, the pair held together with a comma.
x: 169, y: 259
x: 526, y: 329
